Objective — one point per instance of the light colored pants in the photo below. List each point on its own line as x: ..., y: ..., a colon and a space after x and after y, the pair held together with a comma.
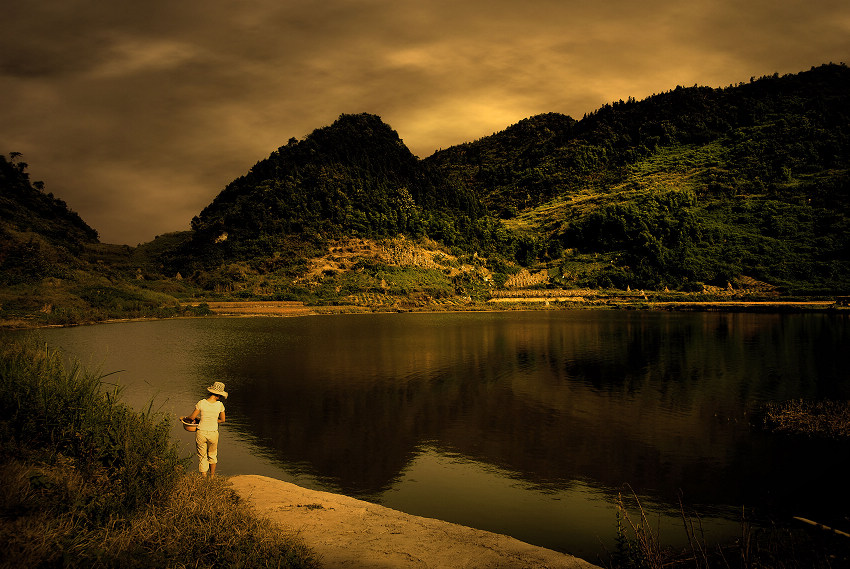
x: 207, y: 444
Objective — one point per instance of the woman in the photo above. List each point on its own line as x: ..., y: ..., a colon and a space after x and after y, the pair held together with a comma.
x: 211, y: 412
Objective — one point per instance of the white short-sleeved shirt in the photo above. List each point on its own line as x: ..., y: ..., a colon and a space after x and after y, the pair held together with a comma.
x: 209, y: 414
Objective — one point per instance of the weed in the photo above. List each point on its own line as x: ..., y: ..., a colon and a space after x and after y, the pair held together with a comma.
x: 638, y: 545
x: 763, y: 546
x: 199, y: 523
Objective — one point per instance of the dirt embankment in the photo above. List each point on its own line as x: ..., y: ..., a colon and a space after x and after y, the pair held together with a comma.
x: 257, y: 308
x: 353, y: 534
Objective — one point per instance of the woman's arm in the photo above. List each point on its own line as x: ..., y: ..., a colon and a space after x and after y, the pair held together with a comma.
x: 221, y: 417
x: 194, y: 414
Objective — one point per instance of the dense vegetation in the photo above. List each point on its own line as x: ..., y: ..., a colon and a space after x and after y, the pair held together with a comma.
x: 696, y: 184
x: 38, y: 233
x: 88, y: 482
x: 355, y: 178
x: 744, y: 188
x: 53, y: 268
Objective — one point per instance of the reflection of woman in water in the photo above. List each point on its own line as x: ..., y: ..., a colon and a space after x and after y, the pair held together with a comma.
x: 211, y: 412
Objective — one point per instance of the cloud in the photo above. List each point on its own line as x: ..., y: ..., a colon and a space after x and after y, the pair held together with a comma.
x: 128, y: 56
x: 138, y: 114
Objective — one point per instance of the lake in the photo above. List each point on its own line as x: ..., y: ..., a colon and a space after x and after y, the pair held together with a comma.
x: 524, y: 423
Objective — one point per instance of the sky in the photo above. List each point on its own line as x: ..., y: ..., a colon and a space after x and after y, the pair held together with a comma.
x: 138, y: 114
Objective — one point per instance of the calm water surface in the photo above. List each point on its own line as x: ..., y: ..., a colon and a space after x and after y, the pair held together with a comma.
x: 523, y: 423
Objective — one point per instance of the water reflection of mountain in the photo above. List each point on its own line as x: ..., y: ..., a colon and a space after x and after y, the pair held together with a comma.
x: 658, y: 401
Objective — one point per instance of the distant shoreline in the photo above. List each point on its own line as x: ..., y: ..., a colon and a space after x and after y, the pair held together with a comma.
x: 509, y: 304
x: 634, y: 302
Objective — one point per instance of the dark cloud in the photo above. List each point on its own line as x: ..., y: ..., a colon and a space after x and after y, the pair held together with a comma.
x: 138, y: 114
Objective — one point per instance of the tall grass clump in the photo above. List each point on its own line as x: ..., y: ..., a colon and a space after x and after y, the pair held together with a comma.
x: 60, y: 411
x: 203, y: 524
x: 85, y: 481
x: 638, y: 545
x: 765, y: 545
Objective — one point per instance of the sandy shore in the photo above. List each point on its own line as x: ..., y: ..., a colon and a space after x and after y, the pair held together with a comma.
x: 353, y: 534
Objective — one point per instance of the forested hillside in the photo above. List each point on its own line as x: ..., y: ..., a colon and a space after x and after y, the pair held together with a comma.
x: 745, y: 188
x: 39, y: 235
x: 692, y: 185
x: 355, y: 178
x: 52, y: 267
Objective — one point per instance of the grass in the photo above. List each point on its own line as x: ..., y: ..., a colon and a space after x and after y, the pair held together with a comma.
x: 87, y: 482
x: 199, y: 523
x: 82, y: 299
x: 639, y: 545
x: 804, y: 545
x: 830, y: 419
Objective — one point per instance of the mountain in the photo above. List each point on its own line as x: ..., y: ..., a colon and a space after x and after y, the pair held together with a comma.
x: 690, y: 187
x: 38, y: 233
x: 745, y: 188
x: 543, y: 156
x: 693, y: 185
x: 353, y: 178
x: 54, y: 270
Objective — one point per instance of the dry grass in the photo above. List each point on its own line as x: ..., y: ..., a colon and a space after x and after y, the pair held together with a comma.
x: 829, y: 419
x: 201, y: 524
x: 640, y: 546
x: 204, y: 524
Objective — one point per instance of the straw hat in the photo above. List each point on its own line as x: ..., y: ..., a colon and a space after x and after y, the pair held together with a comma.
x: 218, y: 389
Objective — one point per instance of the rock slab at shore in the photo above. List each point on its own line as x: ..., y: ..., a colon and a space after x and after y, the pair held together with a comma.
x: 353, y: 534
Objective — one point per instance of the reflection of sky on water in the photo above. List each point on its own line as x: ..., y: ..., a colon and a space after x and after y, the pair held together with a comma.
x: 527, y: 424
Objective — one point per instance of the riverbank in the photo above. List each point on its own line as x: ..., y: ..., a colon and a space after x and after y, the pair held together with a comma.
x: 347, y: 533
x: 504, y: 304
x: 506, y: 301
